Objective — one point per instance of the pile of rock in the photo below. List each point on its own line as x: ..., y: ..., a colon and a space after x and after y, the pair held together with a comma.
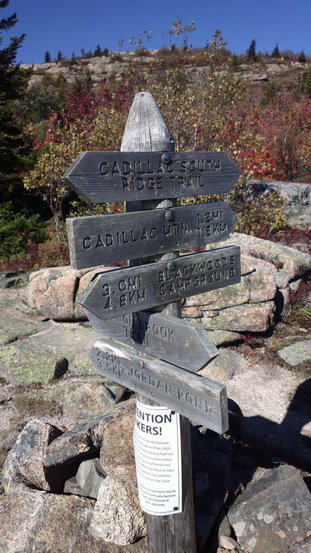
x: 270, y: 271
x: 70, y: 476
x: 76, y: 491
x: 88, y: 473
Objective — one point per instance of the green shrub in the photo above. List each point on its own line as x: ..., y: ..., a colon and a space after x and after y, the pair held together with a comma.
x: 17, y: 230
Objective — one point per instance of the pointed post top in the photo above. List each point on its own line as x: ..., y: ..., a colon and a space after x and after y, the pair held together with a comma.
x: 146, y: 130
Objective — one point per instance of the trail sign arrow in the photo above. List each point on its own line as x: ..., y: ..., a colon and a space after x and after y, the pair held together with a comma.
x: 98, y: 240
x: 128, y: 290
x: 176, y: 341
x: 192, y: 395
x: 101, y: 177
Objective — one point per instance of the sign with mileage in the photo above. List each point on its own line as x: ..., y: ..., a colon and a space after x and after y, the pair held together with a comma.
x: 101, y: 177
x: 190, y: 394
x: 97, y: 240
x: 122, y: 291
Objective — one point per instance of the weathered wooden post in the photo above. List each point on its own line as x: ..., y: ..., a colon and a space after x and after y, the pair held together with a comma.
x: 149, y: 176
x: 146, y: 131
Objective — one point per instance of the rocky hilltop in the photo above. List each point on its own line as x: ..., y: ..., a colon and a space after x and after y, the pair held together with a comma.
x: 116, y: 66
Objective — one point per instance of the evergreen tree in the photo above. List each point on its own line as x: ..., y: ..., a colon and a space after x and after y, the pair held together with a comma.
x: 304, y: 83
x: 251, y: 52
x: 276, y: 52
x: 270, y: 94
x: 302, y: 57
x: 60, y: 56
x: 235, y: 63
x: 47, y: 57
x: 98, y: 51
x: 13, y: 83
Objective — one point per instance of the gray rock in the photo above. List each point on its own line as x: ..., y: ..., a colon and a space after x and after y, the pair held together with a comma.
x: 224, y: 337
x: 117, y: 451
x: 117, y: 515
x: 13, y: 328
x: 302, y: 547
x: 228, y: 543
x: 33, y: 359
x: 297, y: 353
x: 227, y: 364
x: 273, y: 513
x: 77, y: 443
x: 243, y: 318
x: 13, y: 279
x: 293, y: 192
x: 52, y: 523
x: 90, y: 476
x: 24, y: 464
x: 72, y: 487
x: 84, y: 439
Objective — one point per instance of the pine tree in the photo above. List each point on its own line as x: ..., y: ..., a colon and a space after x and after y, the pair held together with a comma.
x: 98, y: 51
x: 302, y: 57
x: 276, y: 52
x: 251, y: 52
x: 47, y: 57
x: 60, y: 56
x: 13, y: 83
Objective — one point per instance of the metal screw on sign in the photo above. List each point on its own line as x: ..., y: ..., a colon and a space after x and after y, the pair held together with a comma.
x: 169, y: 215
x: 166, y: 158
x: 171, y: 266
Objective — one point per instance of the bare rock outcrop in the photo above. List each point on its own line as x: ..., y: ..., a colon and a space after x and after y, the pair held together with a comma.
x: 273, y: 513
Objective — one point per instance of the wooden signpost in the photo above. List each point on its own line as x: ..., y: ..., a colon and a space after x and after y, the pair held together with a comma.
x: 121, y: 291
x: 102, y: 240
x: 102, y: 177
x: 191, y: 395
x: 149, y: 176
x: 160, y: 336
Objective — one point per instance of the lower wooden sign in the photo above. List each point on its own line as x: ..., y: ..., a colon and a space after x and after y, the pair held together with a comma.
x: 194, y: 396
x: 122, y: 291
x: 176, y: 341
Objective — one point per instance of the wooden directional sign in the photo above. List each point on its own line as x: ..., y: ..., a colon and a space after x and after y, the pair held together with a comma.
x: 192, y: 395
x: 103, y: 239
x: 176, y: 341
x: 101, y: 177
x: 132, y: 289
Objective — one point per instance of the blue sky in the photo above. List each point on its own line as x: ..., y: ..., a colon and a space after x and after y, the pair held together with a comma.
x: 70, y: 25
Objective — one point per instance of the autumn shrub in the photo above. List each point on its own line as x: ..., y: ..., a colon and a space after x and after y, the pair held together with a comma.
x: 63, y: 144
x: 268, y: 135
x: 53, y: 251
x: 16, y: 231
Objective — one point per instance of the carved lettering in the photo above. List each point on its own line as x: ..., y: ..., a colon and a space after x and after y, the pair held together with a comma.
x: 190, y: 395
x: 131, y: 184
x: 123, y: 290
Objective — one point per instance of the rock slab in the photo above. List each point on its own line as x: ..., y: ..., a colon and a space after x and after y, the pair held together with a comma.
x: 273, y: 513
x: 31, y: 521
x: 297, y: 353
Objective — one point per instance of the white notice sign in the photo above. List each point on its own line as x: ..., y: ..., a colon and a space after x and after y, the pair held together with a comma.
x: 158, y: 459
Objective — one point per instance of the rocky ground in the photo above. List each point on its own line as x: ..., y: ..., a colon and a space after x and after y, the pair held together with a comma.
x: 264, y: 461
x: 269, y: 393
